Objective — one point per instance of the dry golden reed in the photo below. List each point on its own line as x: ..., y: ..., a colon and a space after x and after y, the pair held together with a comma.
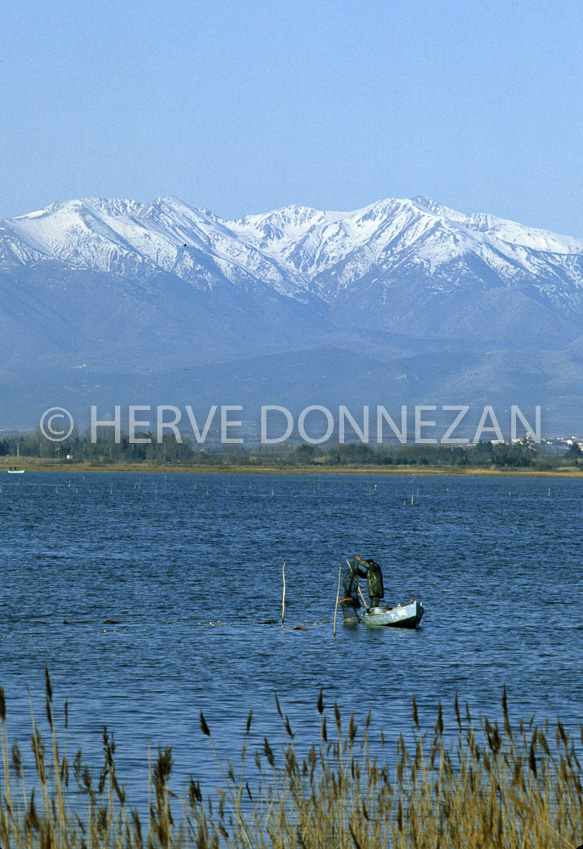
x: 476, y: 786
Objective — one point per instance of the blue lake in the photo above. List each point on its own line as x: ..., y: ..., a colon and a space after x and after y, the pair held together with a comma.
x: 188, y: 571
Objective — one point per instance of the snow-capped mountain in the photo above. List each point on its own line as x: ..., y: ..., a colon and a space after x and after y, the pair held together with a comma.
x: 296, y: 249
x: 119, y: 286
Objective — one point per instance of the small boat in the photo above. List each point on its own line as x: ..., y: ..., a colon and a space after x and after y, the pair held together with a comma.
x: 401, y: 616
x: 15, y: 471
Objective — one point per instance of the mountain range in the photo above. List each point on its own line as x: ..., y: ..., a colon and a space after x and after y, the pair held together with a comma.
x: 403, y: 302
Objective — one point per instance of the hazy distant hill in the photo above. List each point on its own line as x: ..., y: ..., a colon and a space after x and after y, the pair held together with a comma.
x: 402, y: 302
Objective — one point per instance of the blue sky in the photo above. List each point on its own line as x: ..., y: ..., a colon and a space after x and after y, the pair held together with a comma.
x: 243, y: 107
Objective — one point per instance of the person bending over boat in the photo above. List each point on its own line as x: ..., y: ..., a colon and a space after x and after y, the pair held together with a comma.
x: 350, y: 575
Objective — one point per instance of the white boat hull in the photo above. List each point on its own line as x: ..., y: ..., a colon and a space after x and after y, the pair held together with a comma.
x: 402, y: 616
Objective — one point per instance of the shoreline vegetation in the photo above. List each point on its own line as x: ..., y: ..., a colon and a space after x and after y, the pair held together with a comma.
x: 470, y: 786
x: 30, y: 465
x: 33, y: 452
x: 35, y: 464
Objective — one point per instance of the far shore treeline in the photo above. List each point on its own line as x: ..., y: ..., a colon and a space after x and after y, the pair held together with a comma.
x: 105, y: 451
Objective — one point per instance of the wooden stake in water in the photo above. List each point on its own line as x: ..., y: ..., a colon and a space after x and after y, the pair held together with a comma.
x: 337, y: 597
x: 283, y: 599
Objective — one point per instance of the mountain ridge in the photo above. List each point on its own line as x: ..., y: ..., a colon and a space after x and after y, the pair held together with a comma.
x: 133, y: 288
x: 299, y: 240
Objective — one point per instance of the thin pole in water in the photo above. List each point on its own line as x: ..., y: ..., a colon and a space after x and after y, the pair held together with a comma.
x: 283, y: 599
x: 337, y: 597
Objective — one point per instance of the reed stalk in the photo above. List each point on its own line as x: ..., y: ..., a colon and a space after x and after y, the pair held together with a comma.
x: 478, y: 785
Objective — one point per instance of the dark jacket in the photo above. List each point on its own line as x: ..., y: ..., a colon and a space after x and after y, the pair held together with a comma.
x: 374, y: 580
x: 350, y: 576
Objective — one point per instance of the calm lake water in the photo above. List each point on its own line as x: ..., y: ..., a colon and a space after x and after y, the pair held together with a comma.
x: 188, y: 571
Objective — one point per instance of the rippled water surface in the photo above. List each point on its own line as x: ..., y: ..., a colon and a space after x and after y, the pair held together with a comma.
x: 152, y: 597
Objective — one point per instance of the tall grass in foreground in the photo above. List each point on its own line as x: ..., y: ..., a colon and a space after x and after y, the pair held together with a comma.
x: 478, y: 786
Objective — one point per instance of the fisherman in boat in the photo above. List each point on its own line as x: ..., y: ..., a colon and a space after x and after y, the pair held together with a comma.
x: 374, y: 581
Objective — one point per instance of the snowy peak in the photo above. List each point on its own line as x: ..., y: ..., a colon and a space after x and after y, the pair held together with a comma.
x: 501, y: 228
x: 281, y: 226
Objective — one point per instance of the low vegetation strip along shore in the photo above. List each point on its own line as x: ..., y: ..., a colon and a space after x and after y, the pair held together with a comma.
x: 34, y: 451
x: 33, y: 464
x: 472, y: 786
